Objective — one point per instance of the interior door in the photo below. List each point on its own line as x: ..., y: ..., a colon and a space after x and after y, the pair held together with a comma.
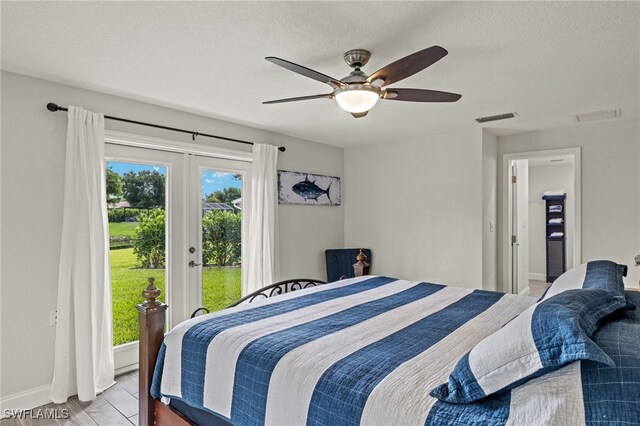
x: 514, y: 227
x: 519, y: 226
x: 217, y: 230
x: 522, y: 225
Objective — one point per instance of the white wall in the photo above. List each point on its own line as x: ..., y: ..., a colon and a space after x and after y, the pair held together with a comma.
x: 545, y: 177
x: 32, y: 155
x: 610, y: 186
x: 489, y: 206
x: 418, y: 206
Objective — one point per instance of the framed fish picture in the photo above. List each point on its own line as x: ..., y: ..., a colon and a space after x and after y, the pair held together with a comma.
x: 307, y: 188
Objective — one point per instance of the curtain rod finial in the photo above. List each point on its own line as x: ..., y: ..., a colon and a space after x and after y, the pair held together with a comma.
x: 282, y: 149
x: 52, y: 107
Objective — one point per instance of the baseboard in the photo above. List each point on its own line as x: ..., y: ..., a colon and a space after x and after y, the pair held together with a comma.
x: 525, y: 292
x: 126, y: 369
x: 37, y: 397
x: 537, y: 277
x: 26, y: 400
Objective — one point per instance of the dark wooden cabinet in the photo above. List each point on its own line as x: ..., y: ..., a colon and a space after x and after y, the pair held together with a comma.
x: 556, y: 236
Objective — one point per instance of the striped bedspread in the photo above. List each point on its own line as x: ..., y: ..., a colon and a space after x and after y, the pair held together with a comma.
x: 360, y: 351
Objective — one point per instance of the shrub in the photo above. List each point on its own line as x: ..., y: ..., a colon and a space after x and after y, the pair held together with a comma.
x: 148, y: 242
x: 124, y: 215
x: 113, y: 216
x: 221, y: 238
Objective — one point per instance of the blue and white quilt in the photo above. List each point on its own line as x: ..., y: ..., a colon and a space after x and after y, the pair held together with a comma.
x: 362, y: 351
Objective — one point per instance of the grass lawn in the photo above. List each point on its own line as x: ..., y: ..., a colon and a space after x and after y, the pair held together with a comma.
x: 121, y: 233
x: 221, y: 287
x: 122, y: 229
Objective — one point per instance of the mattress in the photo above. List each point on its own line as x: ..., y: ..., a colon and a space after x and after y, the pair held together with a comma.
x: 368, y: 351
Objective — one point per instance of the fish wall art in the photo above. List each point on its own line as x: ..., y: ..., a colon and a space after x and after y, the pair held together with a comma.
x: 307, y: 188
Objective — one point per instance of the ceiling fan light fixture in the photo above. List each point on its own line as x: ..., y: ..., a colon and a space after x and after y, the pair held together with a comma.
x: 357, y: 98
x: 358, y: 92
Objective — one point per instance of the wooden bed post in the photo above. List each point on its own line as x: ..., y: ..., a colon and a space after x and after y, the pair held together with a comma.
x: 151, y: 317
x: 361, y: 267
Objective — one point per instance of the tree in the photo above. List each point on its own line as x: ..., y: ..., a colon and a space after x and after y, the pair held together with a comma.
x: 144, y: 189
x: 227, y: 195
x: 221, y: 238
x: 148, y: 242
x: 115, y: 186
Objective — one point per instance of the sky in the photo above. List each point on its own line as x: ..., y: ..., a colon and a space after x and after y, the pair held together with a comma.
x: 211, y: 180
x: 215, y: 181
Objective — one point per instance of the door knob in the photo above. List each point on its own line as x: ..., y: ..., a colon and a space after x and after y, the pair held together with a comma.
x: 193, y: 264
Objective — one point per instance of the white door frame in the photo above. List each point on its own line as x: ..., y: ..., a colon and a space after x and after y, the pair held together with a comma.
x: 506, y: 199
x: 126, y: 355
x: 197, y: 164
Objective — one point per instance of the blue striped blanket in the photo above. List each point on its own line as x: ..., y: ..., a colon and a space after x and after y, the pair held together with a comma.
x: 360, y: 351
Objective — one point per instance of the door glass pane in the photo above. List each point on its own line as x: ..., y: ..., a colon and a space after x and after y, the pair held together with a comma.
x: 136, y: 209
x: 221, y: 238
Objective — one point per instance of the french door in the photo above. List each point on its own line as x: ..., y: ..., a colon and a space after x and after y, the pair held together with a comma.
x: 217, y: 229
x: 177, y: 217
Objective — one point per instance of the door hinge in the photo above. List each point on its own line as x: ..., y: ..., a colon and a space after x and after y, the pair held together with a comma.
x: 513, y: 179
x: 513, y: 239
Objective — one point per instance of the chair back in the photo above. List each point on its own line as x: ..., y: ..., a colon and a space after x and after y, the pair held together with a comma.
x: 340, y: 262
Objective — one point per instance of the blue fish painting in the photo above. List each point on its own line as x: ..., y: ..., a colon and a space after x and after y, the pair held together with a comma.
x: 306, y: 188
x: 309, y: 190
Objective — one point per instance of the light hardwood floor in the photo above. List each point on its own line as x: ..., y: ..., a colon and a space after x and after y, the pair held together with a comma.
x: 117, y: 406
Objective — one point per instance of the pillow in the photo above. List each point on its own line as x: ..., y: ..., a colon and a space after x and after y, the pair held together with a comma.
x: 543, y: 338
x: 602, y: 274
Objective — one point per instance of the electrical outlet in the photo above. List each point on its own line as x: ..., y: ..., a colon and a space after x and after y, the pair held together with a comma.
x: 53, y: 317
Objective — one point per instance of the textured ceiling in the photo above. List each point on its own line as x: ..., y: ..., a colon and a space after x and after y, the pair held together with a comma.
x: 545, y: 60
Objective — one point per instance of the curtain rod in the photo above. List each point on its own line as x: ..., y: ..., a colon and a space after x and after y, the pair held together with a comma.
x: 54, y: 108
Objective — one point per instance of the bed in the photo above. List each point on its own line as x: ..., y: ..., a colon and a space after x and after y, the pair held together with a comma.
x: 369, y: 350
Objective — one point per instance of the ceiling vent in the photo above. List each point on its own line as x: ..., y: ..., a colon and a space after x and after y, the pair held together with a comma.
x: 496, y: 117
x: 598, y: 115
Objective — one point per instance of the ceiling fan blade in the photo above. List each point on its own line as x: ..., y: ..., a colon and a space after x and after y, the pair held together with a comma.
x: 409, y: 65
x: 307, y: 72
x: 300, y: 98
x: 359, y: 114
x: 420, y: 95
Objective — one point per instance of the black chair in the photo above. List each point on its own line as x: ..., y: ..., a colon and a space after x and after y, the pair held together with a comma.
x: 340, y: 262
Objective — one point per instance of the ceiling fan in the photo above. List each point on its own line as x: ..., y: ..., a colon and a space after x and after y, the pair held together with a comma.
x: 358, y: 92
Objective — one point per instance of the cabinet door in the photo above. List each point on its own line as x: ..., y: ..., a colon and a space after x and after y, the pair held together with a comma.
x: 555, y: 258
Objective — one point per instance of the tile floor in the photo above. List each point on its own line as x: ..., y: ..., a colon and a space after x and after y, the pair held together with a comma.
x: 117, y: 406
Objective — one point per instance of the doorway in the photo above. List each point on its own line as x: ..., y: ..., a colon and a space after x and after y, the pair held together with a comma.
x: 176, y: 216
x: 534, y: 228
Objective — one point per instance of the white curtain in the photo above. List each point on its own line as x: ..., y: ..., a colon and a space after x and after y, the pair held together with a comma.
x: 262, y: 219
x: 83, y: 349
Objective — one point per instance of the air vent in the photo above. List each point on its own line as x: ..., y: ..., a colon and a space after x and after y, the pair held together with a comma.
x: 598, y: 115
x: 496, y: 117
